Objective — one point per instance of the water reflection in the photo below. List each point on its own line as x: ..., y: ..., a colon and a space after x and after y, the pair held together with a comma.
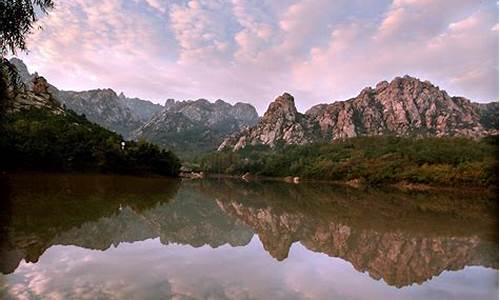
x: 195, y: 229
x: 402, y: 238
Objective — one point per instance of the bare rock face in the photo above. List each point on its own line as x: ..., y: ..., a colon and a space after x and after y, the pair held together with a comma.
x: 406, y: 106
x: 281, y: 122
x: 34, y: 91
x: 199, y: 125
x: 104, y: 107
x: 37, y: 94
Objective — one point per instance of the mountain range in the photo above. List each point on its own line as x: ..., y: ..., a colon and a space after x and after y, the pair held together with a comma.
x: 406, y: 106
x: 184, y: 126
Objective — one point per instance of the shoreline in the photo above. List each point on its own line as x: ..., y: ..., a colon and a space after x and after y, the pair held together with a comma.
x: 403, y: 186
x: 355, y: 184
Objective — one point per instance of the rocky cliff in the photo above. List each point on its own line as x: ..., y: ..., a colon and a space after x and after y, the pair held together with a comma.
x: 191, y: 126
x: 35, y: 91
x: 406, y: 106
x: 102, y: 106
x: 281, y: 122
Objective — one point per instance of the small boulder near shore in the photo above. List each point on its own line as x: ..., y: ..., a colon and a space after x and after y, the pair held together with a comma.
x: 247, y: 176
x: 192, y: 175
x: 292, y: 179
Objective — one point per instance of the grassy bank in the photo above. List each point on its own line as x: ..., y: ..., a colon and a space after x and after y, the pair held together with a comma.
x: 370, y: 160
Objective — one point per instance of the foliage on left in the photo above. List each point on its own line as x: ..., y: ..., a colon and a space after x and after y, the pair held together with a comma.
x: 17, y: 19
x: 37, y: 139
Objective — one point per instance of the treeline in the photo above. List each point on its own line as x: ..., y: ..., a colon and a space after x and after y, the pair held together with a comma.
x: 370, y: 160
x: 38, y: 139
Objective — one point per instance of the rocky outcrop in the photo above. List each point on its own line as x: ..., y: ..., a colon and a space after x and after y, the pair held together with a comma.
x: 281, y: 123
x: 406, y: 106
x: 103, y: 107
x: 35, y: 92
x: 142, y: 110
x: 192, y: 126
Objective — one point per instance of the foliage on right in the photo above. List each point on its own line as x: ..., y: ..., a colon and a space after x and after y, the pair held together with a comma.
x: 370, y: 160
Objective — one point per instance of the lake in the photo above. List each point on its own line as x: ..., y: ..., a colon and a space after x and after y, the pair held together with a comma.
x: 119, y: 237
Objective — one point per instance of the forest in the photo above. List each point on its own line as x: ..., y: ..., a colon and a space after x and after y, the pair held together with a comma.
x: 369, y: 160
x: 38, y: 139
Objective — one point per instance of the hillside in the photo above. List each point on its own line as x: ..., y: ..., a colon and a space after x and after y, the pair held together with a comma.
x: 377, y: 160
x: 40, y: 134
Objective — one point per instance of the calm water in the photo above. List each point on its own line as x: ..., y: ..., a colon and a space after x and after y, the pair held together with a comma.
x: 109, y: 237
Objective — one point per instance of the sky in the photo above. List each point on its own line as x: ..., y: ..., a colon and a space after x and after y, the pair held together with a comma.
x: 320, y: 51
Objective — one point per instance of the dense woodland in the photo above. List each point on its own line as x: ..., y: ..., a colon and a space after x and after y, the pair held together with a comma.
x: 38, y: 139
x: 370, y: 160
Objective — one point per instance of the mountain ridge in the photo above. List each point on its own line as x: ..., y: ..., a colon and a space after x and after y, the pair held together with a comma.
x: 135, y: 118
x: 406, y: 106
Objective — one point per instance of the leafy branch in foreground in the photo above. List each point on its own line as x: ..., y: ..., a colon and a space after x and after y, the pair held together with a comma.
x: 17, y: 20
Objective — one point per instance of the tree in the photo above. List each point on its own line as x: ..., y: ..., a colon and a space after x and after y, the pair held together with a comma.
x: 17, y: 19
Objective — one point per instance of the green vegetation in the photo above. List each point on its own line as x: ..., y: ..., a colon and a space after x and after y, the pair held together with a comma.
x: 38, y: 139
x: 17, y: 20
x: 371, y: 160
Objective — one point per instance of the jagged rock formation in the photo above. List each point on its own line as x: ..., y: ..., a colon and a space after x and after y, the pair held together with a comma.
x: 36, y: 92
x: 191, y: 126
x: 104, y: 107
x: 142, y: 110
x: 404, y: 107
x: 280, y: 122
x: 101, y: 106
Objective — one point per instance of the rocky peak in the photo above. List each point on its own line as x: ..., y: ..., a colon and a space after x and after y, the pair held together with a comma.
x: 406, y: 106
x: 40, y: 85
x: 36, y: 94
x: 281, y: 123
x: 22, y: 70
x: 282, y: 107
x: 169, y: 102
x: 245, y: 112
x: 200, y: 125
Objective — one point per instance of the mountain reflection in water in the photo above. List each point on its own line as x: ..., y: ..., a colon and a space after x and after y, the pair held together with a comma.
x: 401, y: 237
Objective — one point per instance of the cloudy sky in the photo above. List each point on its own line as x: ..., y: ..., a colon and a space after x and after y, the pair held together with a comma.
x: 253, y: 50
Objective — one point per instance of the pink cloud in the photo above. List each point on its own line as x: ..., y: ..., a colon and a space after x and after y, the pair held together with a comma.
x: 248, y: 50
